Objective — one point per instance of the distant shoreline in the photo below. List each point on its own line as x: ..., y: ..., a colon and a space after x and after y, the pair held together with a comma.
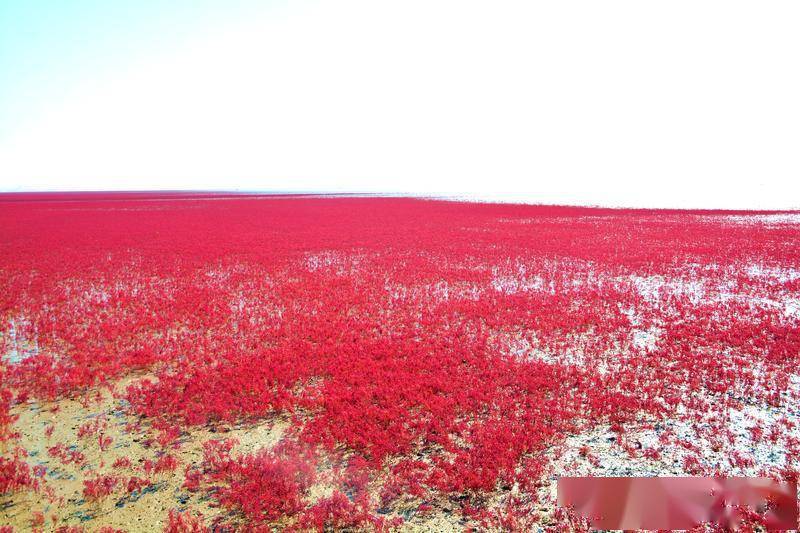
x: 190, y: 195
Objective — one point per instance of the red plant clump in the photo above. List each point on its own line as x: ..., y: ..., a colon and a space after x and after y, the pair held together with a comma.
x: 99, y: 487
x: 168, y: 436
x: 136, y: 483
x: 6, y: 418
x: 90, y: 428
x: 15, y: 475
x: 121, y: 462
x: 444, y: 349
x: 104, y: 441
x: 272, y: 484
x: 66, y: 455
x: 337, y: 512
x: 178, y: 522
x: 165, y: 463
x: 263, y: 486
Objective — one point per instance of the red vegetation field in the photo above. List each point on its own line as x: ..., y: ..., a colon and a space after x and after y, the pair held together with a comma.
x: 432, y: 360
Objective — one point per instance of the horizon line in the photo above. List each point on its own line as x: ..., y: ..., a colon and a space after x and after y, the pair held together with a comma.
x: 199, y: 194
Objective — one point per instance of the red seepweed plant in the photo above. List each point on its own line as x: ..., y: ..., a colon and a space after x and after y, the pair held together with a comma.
x: 439, y: 351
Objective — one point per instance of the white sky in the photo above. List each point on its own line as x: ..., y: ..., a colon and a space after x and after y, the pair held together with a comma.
x: 637, y: 103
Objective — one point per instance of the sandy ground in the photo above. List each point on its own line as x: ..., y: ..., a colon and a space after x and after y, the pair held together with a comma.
x: 61, y: 501
x: 143, y: 510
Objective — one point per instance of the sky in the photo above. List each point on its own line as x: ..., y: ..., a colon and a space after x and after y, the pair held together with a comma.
x: 622, y: 103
